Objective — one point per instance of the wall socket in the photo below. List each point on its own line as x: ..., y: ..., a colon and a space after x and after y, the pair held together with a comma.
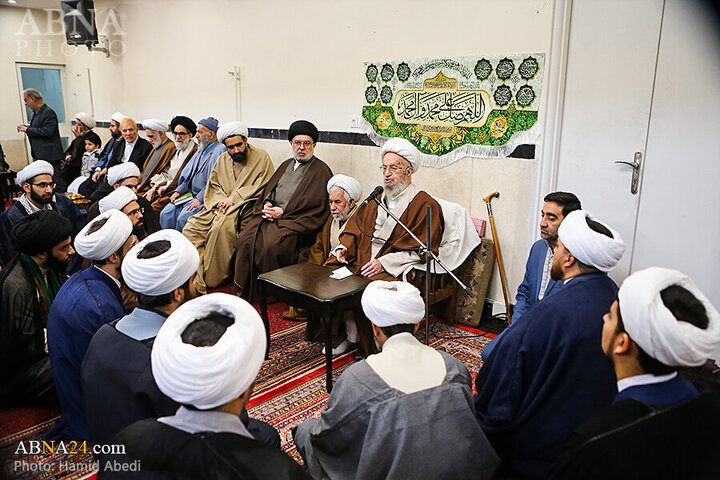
x: 355, y: 122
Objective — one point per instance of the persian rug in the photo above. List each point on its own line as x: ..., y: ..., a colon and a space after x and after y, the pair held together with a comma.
x: 290, y: 388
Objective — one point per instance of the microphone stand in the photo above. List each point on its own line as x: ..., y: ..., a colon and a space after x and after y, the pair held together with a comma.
x: 424, y: 249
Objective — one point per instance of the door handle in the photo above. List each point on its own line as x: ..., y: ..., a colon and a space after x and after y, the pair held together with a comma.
x: 635, y: 182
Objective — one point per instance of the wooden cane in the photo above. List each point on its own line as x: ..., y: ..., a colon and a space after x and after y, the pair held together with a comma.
x: 497, y: 253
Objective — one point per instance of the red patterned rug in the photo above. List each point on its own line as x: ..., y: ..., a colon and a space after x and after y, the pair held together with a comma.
x: 290, y: 388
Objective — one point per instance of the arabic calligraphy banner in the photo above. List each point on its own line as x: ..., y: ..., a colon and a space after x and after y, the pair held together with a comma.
x: 450, y: 108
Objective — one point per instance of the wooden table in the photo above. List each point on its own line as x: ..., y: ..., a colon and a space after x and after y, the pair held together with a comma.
x: 309, y: 286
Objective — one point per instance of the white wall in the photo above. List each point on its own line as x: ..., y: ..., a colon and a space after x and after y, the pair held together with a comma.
x: 305, y: 60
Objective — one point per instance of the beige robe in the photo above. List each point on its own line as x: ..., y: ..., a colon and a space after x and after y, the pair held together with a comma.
x: 213, y: 233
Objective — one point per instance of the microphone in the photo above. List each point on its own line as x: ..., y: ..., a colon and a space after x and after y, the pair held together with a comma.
x: 373, y: 195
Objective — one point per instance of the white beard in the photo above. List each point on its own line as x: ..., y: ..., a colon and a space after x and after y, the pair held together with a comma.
x: 182, y: 144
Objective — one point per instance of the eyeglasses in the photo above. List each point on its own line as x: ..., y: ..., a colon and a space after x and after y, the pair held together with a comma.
x: 44, y: 184
x: 137, y: 211
x: 393, y: 168
x: 305, y: 143
x: 181, y: 134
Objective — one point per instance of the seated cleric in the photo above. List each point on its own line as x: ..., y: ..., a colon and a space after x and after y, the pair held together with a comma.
x: 383, y: 257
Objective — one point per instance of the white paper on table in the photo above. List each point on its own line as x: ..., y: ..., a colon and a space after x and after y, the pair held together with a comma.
x: 340, y: 273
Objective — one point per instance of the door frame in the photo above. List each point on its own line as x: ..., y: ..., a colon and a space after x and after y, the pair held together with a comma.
x: 65, y: 127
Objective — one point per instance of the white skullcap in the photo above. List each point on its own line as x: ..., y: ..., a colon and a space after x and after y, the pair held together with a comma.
x: 654, y: 328
x: 117, y: 199
x: 154, y: 124
x: 102, y: 243
x: 588, y: 246
x: 403, y: 148
x: 164, y: 273
x: 38, y: 167
x: 117, y: 116
x: 210, y: 376
x: 86, y: 119
x: 349, y: 184
x: 392, y: 303
x: 120, y: 172
x: 231, y: 129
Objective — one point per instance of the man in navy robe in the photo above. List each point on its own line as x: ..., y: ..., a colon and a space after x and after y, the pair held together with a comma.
x: 537, y: 283
x: 660, y: 322
x: 38, y: 186
x: 88, y: 300
x: 547, y: 375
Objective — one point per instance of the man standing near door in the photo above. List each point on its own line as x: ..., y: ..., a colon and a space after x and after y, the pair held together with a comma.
x: 44, y: 134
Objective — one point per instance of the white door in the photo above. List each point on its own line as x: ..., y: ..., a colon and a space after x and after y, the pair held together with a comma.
x: 611, y: 65
x: 679, y: 218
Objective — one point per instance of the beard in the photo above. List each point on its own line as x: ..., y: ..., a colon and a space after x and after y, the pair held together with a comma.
x: 39, y: 198
x: 139, y: 229
x: 307, y: 158
x: 157, y: 141
x: 339, y: 216
x: 239, y: 157
x: 399, y: 186
x: 182, y: 144
x: 116, y: 134
x: 556, y: 272
x: 55, y: 264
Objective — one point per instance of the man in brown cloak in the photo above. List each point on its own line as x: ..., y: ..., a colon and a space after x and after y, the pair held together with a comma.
x: 238, y: 176
x: 383, y: 257
x: 293, y: 205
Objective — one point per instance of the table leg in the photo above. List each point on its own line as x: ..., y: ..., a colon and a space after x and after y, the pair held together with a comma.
x: 327, y: 322
x: 265, y: 318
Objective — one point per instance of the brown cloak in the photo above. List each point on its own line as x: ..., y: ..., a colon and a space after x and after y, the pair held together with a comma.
x: 263, y: 245
x: 167, y: 152
x: 161, y: 202
x: 359, y: 244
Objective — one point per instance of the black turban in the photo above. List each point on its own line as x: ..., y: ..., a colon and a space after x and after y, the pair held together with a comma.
x: 40, y: 232
x: 303, y: 127
x: 185, y: 122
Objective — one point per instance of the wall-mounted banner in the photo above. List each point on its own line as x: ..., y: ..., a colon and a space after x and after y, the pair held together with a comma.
x: 450, y: 108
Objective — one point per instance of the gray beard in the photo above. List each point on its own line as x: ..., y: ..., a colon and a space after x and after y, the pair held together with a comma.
x: 303, y: 160
x: 397, y: 188
x: 182, y: 145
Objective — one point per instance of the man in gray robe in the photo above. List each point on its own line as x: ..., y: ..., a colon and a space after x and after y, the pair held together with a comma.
x: 381, y: 410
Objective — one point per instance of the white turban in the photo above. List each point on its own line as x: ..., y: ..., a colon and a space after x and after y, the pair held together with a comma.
x: 86, y: 119
x: 392, y: 303
x: 164, y: 273
x: 102, y: 243
x: 117, y: 199
x: 654, y: 328
x: 403, y: 148
x: 117, y: 116
x: 349, y: 184
x: 38, y: 167
x: 210, y: 376
x: 588, y: 246
x: 120, y: 172
x: 230, y: 129
x: 154, y: 124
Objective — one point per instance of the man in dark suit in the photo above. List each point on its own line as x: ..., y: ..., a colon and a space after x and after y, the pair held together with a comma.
x: 537, y: 283
x: 133, y: 149
x: 44, y: 134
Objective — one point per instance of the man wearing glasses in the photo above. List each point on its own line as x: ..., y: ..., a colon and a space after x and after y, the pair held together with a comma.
x: 389, y: 252
x: 38, y: 186
x: 292, y: 208
x: 183, y: 130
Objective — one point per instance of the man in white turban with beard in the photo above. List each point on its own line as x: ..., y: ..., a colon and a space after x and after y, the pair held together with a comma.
x: 547, y: 375
x: 380, y: 413
x: 238, y: 177
x: 344, y: 195
x: 381, y: 257
x: 87, y: 300
x: 158, y: 161
x: 658, y: 426
x: 206, y: 357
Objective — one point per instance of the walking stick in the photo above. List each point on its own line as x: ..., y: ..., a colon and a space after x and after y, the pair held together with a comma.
x: 497, y: 253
